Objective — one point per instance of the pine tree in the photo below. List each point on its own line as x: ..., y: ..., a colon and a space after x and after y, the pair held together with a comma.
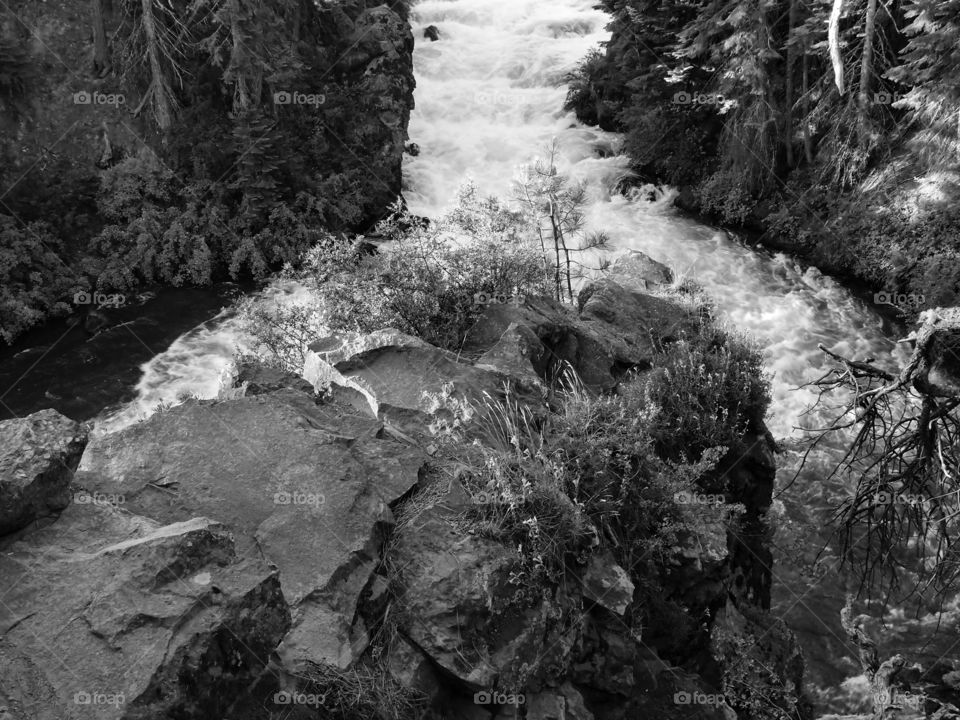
x: 931, y: 66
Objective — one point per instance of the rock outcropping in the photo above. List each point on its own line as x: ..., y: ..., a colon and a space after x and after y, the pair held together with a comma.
x: 292, y: 546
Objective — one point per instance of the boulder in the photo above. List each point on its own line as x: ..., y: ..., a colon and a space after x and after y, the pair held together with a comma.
x: 636, y: 315
x: 410, y: 667
x: 397, y: 370
x: 613, y: 330
x: 306, y: 487
x: 110, y: 615
x: 547, y: 705
x: 461, y: 609
x: 38, y: 455
x: 518, y: 354
x: 606, y: 657
x: 638, y: 271
x: 432, y: 33
x: 258, y: 379
x: 607, y: 584
x: 450, y: 582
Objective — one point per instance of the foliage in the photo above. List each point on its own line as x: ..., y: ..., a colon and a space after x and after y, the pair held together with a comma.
x: 755, y: 681
x: 549, y: 197
x: 432, y: 279
x: 929, y: 68
x: 608, y: 471
x: 710, y: 390
x: 735, y: 96
x: 236, y: 182
x: 34, y: 280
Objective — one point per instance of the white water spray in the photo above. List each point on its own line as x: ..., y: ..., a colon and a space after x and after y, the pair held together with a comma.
x: 489, y: 99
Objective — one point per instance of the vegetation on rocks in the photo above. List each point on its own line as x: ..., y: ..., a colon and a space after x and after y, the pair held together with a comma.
x: 556, y: 475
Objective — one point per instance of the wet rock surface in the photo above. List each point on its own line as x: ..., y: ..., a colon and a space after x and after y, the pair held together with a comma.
x: 295, y: 535
x: 38, y: 455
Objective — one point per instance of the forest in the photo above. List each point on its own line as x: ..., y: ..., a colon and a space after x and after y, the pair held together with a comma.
x: 194, y: 141
x: 829, y: 128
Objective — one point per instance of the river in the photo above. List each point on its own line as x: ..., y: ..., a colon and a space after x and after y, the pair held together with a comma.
x: 489, y: 98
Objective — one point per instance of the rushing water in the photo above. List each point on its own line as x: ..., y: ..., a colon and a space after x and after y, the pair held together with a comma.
x: 489, y: 98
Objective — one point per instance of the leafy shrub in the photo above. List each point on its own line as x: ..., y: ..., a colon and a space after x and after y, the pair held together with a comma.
x: 710, y: 390
x: 133, y: 185
x: 34, y: 280
x: 724, y: 195
x: 556, y: 485
x: 585, y: 89
x: 667, y: 144
x: 426, y: 283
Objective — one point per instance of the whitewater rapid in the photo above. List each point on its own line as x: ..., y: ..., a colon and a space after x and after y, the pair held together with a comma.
x: 489, y: 99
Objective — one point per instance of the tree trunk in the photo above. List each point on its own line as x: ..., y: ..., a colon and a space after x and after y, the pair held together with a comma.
x: 101, y: 58
x: 807, y: 142
x: 158, y: 85
x: 866, y: 65
x: 788, y: 85
x: 833, y: 39
x: 556, y: 252
x: 558, y: 232
x: 238, y: 61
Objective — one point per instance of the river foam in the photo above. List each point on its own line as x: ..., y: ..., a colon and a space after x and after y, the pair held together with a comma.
x: 489, y: 99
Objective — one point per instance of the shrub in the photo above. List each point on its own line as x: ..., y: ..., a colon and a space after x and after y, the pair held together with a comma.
x: 134, y: 184
x: 34, y: 280
x: 710, y: 390
x: 725, y: 196
x: 426, y: 284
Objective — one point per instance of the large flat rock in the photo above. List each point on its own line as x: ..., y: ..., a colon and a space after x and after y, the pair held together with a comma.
x: 109, y: 615
x: 305, y: 486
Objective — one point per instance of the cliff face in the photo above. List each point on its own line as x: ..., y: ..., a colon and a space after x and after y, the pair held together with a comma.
x: 284, y: 551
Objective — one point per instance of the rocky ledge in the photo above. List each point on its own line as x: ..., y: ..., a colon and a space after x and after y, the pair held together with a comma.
x: 292, y: 549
